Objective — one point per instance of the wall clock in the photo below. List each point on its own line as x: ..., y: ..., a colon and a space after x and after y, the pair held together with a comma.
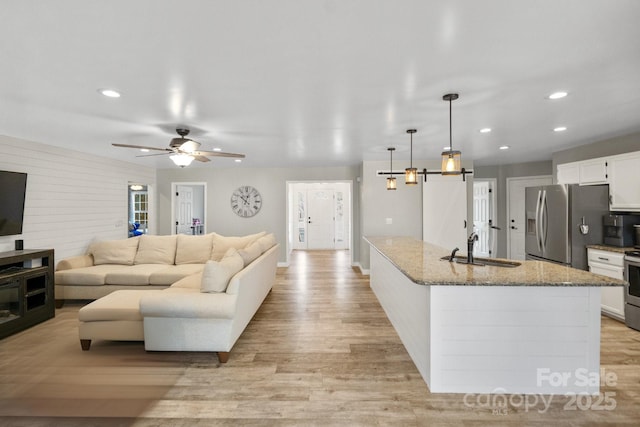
x: 246, y: 201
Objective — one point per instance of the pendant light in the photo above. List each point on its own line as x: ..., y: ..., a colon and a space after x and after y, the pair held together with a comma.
x: 451, y: 161
x: 411, y: 173
x: 391, y: 181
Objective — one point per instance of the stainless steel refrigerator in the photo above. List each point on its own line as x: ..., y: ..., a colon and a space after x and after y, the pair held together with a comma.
x: 562, y: 219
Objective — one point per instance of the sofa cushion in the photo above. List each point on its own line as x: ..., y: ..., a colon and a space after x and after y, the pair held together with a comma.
x: 221, y: 244
x: 190, y: 282
x: 172, y: 273
x: 156, y: 250
x: 121, y: 251
x: 118, y: 305
x: 193, y: 249
x: 267, y: 241
x: 135, y: 275
x: 250, y: 253
x: 216, y: 274
x: 90, y: 276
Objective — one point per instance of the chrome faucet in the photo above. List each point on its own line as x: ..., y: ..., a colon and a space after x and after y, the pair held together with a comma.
x: 453, y: 254
x: 473, y: 238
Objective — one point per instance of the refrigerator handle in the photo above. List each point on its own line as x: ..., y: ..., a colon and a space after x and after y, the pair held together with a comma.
x: 544, y: 227
x: 537, y: 219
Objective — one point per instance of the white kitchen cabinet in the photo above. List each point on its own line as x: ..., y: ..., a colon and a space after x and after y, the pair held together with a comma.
x: 624, y: 182
x: 610, y: 264
x: 568, y: 173
x: 594, y: 171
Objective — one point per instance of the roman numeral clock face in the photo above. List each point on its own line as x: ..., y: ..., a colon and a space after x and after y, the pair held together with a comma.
x: 246, y: 201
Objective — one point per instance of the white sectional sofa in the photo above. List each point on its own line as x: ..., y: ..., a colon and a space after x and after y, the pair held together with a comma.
x: 203, y: 311
x: 145, y: 262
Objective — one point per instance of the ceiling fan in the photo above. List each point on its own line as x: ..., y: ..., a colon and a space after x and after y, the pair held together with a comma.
x: 183, y: 150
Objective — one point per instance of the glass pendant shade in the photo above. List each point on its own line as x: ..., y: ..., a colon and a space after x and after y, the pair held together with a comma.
x: 411, y: 176
x: 391, y: 183
x: 451, y: 162
x: 181, y: 159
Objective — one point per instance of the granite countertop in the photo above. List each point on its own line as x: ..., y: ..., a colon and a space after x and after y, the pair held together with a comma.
x: 420, y: 262
x: 611, y: 248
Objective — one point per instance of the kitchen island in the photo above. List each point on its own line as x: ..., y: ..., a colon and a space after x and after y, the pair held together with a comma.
x: 533, y: 328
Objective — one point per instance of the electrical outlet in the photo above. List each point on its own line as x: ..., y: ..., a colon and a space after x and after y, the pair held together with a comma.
x: 389, y: 221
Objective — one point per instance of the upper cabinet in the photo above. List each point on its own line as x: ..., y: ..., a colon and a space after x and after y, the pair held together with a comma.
x: 624, y: 182
x: 587, y: 172
x: 569, y: 173
x: 621, y: 172
x: 594, y: 171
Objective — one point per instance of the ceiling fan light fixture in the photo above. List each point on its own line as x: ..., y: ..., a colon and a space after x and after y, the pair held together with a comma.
x: 451, y: 159
x: 181, y: 159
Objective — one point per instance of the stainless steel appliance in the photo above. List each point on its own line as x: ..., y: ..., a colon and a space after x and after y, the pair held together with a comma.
x: 618, y: 229
x: 562, y: 219
x: 632, y: 290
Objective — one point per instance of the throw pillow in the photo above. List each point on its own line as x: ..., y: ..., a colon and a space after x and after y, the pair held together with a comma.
x: 114, y: 251
x: 217, y: 274
x: 250, y: 253
x: 193, y: 249
x: 221, y: 244
x: 156, y: 250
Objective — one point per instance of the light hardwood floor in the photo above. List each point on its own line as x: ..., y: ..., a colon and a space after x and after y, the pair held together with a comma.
x: 320, y: 351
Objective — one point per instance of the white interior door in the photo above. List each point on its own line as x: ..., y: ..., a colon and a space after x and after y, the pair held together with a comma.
x: 444, y: 208
x: 516, y: 212
x: 320, y: 219
x: 483, y: 218
x: 184, y: 209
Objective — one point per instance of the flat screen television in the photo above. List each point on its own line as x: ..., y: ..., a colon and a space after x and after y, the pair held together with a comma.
x: 13, y: 186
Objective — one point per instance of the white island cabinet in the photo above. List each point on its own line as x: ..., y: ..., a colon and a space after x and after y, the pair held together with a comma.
x: 531, y: 329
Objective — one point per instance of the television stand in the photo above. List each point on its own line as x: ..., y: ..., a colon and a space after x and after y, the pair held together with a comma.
x: 26, y: 289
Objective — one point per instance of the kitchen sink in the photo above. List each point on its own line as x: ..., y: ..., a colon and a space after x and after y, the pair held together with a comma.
x: 504, y: 263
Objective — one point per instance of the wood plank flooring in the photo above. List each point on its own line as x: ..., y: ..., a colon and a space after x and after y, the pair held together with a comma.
x: 320, y: 351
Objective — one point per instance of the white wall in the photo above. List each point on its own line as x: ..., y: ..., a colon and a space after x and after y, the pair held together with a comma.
x: 270, y: 182
x: 71, y: 197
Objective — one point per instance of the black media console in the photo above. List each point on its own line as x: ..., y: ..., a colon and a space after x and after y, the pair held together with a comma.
x: 26, y: 289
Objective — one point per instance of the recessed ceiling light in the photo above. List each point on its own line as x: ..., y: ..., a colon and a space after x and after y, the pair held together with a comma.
x: 485, y: 130
x: 560, y: 129
x: 504, y: 147
x: 557, y: 95
x: 217, y: 149
x: 145, y: 150
x: 238, y: 160
x: 109, y: 93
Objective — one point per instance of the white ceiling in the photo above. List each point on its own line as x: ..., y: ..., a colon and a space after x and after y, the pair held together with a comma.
x: 320, y: 82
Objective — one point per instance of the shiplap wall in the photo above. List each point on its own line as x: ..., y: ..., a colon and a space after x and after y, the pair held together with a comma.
x: 72, y: 198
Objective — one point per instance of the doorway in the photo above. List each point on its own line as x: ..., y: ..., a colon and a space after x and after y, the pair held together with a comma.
x: 138, y: 209
x: 188, y: 207
x: 516, y: 212
x: 319, y: 215
x: 485, y: 216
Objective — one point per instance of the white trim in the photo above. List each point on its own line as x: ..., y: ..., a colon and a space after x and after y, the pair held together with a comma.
x: 173, y: 203
x: 288, y: 209
x: 493, y: 185
x: 283, y: 264
x: 363, y: 271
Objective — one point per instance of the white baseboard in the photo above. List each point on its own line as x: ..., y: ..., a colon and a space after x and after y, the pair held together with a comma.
x: 283, y: 264
x: 363, y: 271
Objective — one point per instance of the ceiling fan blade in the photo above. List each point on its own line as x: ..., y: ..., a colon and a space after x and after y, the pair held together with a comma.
x: 218, y: 154
x: 142, y: 147
x: 201, y: 158
x: 152, y: 155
